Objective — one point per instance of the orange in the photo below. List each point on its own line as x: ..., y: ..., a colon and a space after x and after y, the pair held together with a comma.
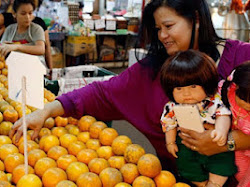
x: 20, y: 111
x: 110, y: 177
x: 5, y: 107
x: 2, y: 168
x: 67, y: 139
x: 6, y: 150
x: 120, y: 143
x: 5, y: 127
x: 14, y: 103
x: 75, y: 169
x: 60, y: 121
x: 20, y: 140
x: 5, y: 184
x: 1, y: 65
x: 93, y: 144
x: 129, y: 172
x: 107, y: 136
x: 96, y: 165
x: 83, y: 136
x: 3, y: 176
x: 49, y: 95
x: 30, y: 146
x: 143, y: 181
x: 96, y: 128
x: 19, y: 171
x: 5, y: 71
x: 122, y: 184
x: 29, y: 180
x: 43, y: 132
x: 86, y: 155
x: 34, y: 155
x: 64, y: 161
x: 74, y: 130
x: 49, y: 123
x: 53, y: 176
x: 165, y: 179
x: 85, y: 122
x: 58, y: 131
x: 48, y: 141
x: 89, y: 179
x: 4, y: 140
x: 149, y: 165
x: 10, y: 115
x: 56, y: 151
x: 181, y: 184
x: 75, y: 147
x: 69, y: 126
x: 3, y: 102
x: 43, y: 164
x: 1, y: 115
x: 72, y: 120
x: 133, y: 152
x: 105, y: 152
x: 12, y: 161
x: 116, y: 161
x: 66, y: 183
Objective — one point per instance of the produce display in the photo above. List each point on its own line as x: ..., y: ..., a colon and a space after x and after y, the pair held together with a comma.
x: 71, y: 152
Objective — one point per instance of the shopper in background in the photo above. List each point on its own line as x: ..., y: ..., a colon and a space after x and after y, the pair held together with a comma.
x: 190, y: 78
x: 236, y: 95
x: 167, y: 26
x: 5, y: 5
x: 7, y: 18
x: 24, y: 36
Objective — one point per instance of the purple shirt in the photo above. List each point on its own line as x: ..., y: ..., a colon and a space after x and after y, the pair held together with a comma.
x: 135, y: 97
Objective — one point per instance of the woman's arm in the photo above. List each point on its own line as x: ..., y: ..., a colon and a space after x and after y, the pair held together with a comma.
x: 37, y: 49
x: 204, y: 144
x: 48, y: 57
x: 36, y: 119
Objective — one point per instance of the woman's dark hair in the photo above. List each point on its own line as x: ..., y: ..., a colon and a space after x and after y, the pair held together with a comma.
x: 241, y: 77
x: 18, y: 3
x: 189, y: 9
x: 186, y: 68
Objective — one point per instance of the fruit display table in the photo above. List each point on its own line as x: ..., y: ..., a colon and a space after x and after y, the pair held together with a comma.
x: 73, y: 152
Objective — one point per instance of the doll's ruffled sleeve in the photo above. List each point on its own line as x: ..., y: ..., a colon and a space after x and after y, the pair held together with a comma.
x: 168, y: 119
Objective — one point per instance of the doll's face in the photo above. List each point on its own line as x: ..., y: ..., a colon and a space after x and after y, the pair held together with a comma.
x: 189, y: 94
x: 243, y: 104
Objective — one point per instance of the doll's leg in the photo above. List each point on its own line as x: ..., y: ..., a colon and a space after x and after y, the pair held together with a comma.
x: 216, y: 180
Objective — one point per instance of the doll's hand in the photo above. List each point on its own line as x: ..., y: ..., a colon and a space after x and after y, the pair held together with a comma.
x: 172, y: 148
x: 219, y: 137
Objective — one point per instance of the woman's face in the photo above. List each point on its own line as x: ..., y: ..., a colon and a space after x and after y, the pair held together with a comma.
x: 24, y: 15
x: 174, y: 31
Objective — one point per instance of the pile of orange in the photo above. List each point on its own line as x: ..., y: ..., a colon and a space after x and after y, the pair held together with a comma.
x: 71, y: 152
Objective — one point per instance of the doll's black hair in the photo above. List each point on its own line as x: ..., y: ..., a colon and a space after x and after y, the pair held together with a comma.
x: 186, y: 68
x: 241, y: 77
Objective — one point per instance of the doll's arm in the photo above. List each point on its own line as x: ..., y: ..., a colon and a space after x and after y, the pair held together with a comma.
x: 170, y: 141
x: 222, y: 125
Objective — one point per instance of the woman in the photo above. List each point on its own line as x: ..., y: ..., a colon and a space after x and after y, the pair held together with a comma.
x: 168, y: 26
x: 24, y: 36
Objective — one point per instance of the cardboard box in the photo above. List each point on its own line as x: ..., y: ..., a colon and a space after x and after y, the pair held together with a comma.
x: 110, y: 22
x: 121, y: 22
x: 78, y: 45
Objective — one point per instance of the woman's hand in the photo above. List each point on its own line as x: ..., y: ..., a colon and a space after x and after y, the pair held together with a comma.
x: 201, y: 142
x: 34, y: 121
x: 7, y: 48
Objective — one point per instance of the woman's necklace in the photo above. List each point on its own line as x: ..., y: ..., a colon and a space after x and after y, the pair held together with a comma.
x: 238, y: 116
